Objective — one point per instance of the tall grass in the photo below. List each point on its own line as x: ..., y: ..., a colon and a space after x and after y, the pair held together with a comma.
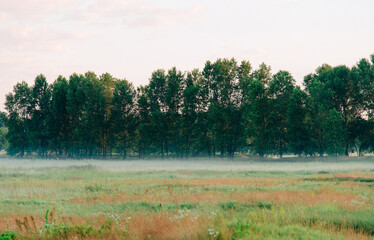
x: 86, y: 202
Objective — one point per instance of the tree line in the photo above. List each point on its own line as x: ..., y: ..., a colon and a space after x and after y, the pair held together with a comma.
x: 226, y: 108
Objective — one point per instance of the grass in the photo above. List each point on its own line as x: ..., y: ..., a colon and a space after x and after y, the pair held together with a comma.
x: 89, y: 202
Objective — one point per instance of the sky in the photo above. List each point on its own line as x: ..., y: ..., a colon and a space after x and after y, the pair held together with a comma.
x: 132, y: 38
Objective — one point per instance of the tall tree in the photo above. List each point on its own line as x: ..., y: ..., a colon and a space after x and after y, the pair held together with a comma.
x: 257, y: 112
x: 335, y: 133
x: 297, y: 129
x: 280, y: 89
x: 335, y: 90
x: 189, y: 116
x: 157, y: 101
x: 18, y: 105
x: 173, y: 101
x: 93, y: 119
x: 3, y: 132
x: 40, y: 111
x: 224, y: 108
x: 317, y: 107
x: 123, y: 115
x: 256, y: 107
x: 107, y: 139
x: 75, y: 103
x: 59, y: 117
x: 146, y: 132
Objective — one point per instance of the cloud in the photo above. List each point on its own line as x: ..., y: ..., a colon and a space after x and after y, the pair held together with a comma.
x: 135, y: 13
x: 165, y: 16
x: 16, y: 37
x: 33, y: 25
x: 34, y: 9
x: 44, y: 25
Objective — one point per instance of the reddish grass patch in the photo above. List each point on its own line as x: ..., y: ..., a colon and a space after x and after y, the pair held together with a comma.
x: 279, y: 197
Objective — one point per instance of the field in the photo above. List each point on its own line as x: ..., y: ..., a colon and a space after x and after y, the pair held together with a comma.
x: 191, y: 199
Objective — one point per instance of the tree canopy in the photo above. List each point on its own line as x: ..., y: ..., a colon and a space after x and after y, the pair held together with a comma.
x: 227, y: 108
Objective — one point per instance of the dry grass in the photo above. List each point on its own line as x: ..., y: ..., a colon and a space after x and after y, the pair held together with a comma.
x: 96, y: 201
x: 305, y: 198
x: 165, y: 226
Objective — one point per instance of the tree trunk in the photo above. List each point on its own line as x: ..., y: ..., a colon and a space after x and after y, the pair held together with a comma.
x: 347, y: 149
x: 124, y: 147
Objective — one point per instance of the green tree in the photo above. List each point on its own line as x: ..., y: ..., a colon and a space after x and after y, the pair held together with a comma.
x: 361, y: 134
x: 262, y: 74
x: 146, y: 132
x: 224, y: 106
x: 107, y: 139
x: 363, y: 87
x: 3, y: 139
x: 3, y: 132
x: 256, y: 109
x: 224, y: 109
x: 191, y: 138
x: 173, y: 101
x: 297, y: 129
x: 40, y: 113
x: 281, y: 87
x: 333, y: 87
x: 18, y: 105
x: 335, y: 133
x: 158, y: 108
x: 123, y: 115
x: 317, y: 107
x: 93, y: 119
x: 59, y: 119
x: 75, y: 103
x: 257, y: 112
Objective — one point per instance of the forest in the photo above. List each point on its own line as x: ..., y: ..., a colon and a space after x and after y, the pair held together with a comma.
x: 226, y: 108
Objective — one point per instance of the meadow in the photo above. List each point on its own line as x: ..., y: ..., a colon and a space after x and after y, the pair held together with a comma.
x: 191, y: 199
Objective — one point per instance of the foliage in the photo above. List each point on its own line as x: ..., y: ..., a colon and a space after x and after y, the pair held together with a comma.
x: 227, y: 108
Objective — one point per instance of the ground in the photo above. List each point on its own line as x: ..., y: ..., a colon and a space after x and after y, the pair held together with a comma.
x: 192, y: 199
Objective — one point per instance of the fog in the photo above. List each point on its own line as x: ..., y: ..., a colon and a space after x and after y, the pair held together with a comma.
x: 199, y: 164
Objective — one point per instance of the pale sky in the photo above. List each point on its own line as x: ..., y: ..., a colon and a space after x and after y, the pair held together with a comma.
x: 131, y: 38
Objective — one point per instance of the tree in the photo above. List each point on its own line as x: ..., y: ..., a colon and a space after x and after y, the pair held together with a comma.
x: 332, y: 88
x: 3, y: 132
x: 75, y: 102
x: 18, y: 105
x: 173, y: 101
x: 59, y: 117
x: 146, y: 132
x: 224, y: 105
x: 123, y: 115
x: 363, y: 87
x: 262, y: 74
x: 107, y: 137
x: 226, y: 108
x: 297, y: 129
x: 256, y: 109
x: 40, y: 111
x: 256, y: 112
x: 335, y: 133
x: 3, y: 139
x: 317, y: 106
x: 280, y: 89
x: 93, y: 117
x: 156, y: 93
x: 360, y: 134
x: 193, y: 129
